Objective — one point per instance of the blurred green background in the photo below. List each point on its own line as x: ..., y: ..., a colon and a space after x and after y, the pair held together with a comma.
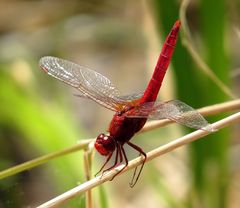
x: 122, y: 40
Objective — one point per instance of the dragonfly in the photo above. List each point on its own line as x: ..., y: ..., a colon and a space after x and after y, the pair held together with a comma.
x: 131, y: 111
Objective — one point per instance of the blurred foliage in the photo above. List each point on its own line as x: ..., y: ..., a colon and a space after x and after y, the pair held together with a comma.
x: 39, y: 115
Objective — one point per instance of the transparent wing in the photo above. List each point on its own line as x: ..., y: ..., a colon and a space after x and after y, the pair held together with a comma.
x: 91, y: 84
x: 134, y: 96
x: 174, y: 110
x: 126, y: 99
x: 131, y: 99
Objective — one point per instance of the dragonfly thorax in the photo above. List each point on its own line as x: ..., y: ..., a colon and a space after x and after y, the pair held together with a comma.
x: 105, y: 144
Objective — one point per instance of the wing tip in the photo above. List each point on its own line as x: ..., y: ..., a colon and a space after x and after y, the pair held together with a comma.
x: 43, y: 63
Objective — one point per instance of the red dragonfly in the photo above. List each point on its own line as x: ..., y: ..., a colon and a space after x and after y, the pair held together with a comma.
x: 132, y: 111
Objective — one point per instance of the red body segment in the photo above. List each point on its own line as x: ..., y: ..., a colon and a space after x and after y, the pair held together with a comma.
x: 155, y: 83
x: 122, y: 128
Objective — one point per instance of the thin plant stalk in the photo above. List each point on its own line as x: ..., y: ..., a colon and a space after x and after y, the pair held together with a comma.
x: 43, y: 159
x: 88, y: 167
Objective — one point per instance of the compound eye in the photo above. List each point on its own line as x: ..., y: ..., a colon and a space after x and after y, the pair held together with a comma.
x: 105, y: 144
x: 101, y: 138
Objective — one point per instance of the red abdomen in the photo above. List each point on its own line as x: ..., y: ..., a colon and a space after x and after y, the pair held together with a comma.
x: 155, y: 83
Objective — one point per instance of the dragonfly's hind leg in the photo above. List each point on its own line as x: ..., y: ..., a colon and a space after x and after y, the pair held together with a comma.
x: 118, y: 153
x: 106, y: 162
x: 121, y: 152
x: 141, y: 152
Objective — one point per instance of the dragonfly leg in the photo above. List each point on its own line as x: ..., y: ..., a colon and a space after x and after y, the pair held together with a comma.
x: 122, y: 152
x: 116, y: 160
x: 141, y: 152
x: 118, y: 155
x: 121, y: 159
x: 107, y: 160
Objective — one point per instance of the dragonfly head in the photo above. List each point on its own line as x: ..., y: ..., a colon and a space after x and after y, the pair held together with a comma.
x: 105, y: 144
